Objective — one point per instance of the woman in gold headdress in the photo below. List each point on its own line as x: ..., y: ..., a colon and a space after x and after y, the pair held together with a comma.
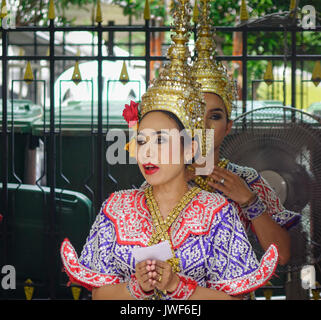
x: 211, y: 255
x: 258, y: 206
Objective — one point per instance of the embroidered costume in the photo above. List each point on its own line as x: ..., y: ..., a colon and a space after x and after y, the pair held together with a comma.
x: 208, y: 239
x: 213, y: 77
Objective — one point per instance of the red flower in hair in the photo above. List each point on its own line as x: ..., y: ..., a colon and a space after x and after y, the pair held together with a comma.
x: 131, y: 113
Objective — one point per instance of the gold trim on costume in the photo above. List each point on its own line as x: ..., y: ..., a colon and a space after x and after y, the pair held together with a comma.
x: 203, y: 182
x: 161, y: 226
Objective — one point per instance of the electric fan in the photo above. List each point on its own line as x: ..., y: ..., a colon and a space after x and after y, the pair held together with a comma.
x: 284, y: 145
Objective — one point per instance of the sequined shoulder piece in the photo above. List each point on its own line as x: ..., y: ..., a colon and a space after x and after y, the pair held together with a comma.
x: 253, y: 280
x: 77, y: 273
x: 128, y: 211
x: 250, y: 175
x: 197, y: 217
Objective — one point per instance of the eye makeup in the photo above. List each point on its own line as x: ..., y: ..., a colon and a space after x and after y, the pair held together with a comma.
x: 215, y: 114
x: 158, y: 137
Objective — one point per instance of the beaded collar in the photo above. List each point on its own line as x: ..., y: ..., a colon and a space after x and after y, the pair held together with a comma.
x: 161, y: 226
x: 129, y: 212
x: 203, y: 182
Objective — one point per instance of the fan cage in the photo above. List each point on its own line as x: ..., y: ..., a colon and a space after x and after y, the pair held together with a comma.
x: 287, y: 141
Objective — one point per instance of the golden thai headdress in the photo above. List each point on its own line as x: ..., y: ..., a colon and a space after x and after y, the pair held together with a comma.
x: 206, y: 70
x: 175, y: 90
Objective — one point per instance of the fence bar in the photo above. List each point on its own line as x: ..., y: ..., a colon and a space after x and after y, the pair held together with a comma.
x: 162, y: 58
x: 52, y: 165
x: 293, y: 72
x: 100, y: 195
x: 110, y: 43
x: 142, y: 28
x: 244, y: 69
x: 4, y: 149
x: 147, y: 52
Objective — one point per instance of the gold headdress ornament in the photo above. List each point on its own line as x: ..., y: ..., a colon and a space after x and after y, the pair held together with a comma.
x: 174, y: 90
x: 210, y: 73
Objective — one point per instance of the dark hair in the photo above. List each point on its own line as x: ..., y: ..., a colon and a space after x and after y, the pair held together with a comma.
x: 185, y: 136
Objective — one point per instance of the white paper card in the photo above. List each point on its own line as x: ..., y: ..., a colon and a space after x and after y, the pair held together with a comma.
x: 161, y: 251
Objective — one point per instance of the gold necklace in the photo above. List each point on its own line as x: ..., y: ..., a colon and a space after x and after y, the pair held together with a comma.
x: 161, y: 226
x: 203, y: 182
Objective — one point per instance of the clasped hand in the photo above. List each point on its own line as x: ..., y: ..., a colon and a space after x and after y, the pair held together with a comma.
x: 152, y: 274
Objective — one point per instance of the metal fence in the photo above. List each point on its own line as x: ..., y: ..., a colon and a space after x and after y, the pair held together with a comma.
x: 100, y: 169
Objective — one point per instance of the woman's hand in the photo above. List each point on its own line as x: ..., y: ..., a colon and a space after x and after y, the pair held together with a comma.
x: 165, y: 278
x: 144, y: 274
x: 232, y: 186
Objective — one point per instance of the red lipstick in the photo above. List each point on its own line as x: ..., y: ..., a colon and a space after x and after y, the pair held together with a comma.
x: 150, y: 168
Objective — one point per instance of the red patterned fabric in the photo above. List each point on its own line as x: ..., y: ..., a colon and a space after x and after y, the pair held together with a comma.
x: 184, y: 290
x: 274, y: 207
x: 268, y: 195
x: 133, y: 223
x: 253, y: 280
x: 81, y: 275
x: 89, y: 279
x: 136, y: 291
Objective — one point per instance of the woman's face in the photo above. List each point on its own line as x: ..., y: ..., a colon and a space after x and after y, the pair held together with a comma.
x: 216, y: 118
x: 160, y: 155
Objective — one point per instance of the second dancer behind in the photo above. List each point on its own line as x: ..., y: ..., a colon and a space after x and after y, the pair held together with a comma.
x: 243, y: 186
